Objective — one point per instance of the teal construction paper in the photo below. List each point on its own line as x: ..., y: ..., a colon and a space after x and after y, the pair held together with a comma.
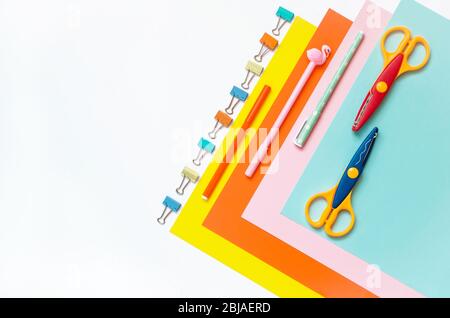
x: 402, y: 201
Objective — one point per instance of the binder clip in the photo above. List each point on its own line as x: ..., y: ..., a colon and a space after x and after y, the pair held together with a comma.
x: 222, y: 120
x: 284, y: 16
x: 170, y: 205
x: 238, y: 95
x: 189, y: 176
x: 268, y: 43
x: 253, y: 70
x: 205, y: 147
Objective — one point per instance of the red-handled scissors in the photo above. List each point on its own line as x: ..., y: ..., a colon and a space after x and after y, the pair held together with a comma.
x: 395, y: 64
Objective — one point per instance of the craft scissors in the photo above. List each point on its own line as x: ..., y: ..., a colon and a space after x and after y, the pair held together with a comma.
x: 395, y: 64
x: 339, y: 198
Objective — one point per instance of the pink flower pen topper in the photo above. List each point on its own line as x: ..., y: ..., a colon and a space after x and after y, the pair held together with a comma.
x: 316, y: 57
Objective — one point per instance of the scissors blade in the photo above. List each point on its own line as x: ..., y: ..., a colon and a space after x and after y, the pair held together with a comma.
x: 362, y: 111
x: 364, y: 150
x: 354, y: 169
x: 378, y: 91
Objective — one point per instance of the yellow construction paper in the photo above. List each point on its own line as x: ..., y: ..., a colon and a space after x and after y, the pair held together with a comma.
x: 189, y: 226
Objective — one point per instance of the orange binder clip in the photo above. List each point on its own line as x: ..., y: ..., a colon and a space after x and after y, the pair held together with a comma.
x: 222, y: 120
x: 268, y: 43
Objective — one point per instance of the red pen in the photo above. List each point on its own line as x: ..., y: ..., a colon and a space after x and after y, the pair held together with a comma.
x: 233, y: 148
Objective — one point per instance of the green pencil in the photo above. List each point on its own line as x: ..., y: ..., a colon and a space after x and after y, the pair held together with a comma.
x: 309, y: 125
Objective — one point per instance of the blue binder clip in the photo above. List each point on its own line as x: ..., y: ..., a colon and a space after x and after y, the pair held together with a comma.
x: 284, y: 16
x: 237, y: 95
x: 170, y: 205
x: 205, y: 147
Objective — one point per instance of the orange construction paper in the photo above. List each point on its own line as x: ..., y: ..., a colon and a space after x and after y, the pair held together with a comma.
x: 225, y: 217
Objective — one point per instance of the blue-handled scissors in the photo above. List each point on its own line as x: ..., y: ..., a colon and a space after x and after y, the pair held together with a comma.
x: 339, y: 198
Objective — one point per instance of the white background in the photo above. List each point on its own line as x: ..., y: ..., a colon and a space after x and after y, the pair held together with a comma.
x: 101, y: 104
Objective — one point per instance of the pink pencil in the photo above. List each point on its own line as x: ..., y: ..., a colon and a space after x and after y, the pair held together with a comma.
x: 316, y: 58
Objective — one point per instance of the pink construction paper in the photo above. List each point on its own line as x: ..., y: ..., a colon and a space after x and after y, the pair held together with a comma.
x: 264, y: 210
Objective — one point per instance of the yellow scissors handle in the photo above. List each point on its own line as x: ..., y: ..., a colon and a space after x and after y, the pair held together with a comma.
x: 406, y: 67
x: 407, y: 47
x: 345, y: 207
x: 329, y: 216
x: 387, y: 55
x: 328, y: 198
